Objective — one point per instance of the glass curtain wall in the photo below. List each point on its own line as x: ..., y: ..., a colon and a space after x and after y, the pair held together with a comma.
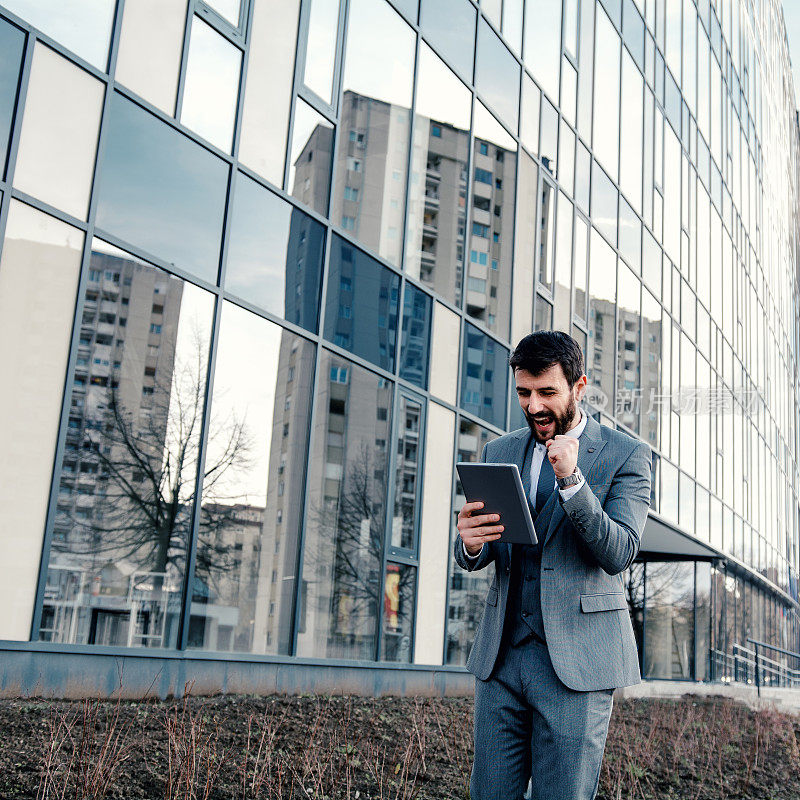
x: 258, y: 277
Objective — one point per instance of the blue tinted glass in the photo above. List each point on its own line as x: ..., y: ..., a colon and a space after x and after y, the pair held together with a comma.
x: 484, y: 377
x: 12, y: 40
x: 160, y: 191
x: 416, y: 336
x: 497, y: 75
x: 362, y: 305
x: 450, y: 27
x: 274, y: 255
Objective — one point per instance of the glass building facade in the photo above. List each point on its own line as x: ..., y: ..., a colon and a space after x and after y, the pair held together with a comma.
x: 262, y: 267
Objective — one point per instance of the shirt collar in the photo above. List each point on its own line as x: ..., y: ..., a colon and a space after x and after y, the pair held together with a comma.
x: 576, y: 431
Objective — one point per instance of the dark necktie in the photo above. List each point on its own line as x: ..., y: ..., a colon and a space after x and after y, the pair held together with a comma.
x: 547, y: 477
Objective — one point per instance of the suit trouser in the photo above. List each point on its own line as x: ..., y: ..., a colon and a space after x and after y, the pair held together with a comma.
x: 528, y: 724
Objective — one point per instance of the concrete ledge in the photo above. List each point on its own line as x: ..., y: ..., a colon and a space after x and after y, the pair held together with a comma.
x: 787, y: 700
x: 31, y: 670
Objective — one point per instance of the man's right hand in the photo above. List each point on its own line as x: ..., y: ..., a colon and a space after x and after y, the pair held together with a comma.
x: 476, y: 530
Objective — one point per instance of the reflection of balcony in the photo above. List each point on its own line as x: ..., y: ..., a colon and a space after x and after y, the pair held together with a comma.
x: 476, y: 301
x: 430, y: 230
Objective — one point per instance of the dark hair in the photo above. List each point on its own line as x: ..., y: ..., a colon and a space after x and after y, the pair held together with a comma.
x: 538, y: 351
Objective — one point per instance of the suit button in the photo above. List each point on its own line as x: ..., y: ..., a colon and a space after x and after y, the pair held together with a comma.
x: 525, y: 614
x: 529, y: 577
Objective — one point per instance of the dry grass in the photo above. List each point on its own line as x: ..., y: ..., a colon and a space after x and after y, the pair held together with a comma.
x: 286, y: 748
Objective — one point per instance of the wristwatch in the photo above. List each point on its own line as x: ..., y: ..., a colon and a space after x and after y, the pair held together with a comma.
x: 571, y: 480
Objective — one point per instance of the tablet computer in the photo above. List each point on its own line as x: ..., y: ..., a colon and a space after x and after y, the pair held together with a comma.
x: 499, y: 488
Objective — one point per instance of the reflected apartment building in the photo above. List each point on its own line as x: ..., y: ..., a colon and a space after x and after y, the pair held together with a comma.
x: 266, y: 273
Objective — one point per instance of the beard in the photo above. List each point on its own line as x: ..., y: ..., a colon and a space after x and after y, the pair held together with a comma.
x: 563, y: 422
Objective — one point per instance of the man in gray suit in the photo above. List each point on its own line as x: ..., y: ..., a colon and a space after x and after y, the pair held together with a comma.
x: 556, y: 637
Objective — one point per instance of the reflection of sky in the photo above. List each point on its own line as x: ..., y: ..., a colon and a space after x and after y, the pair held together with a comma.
x: 256, y: 268
x: 497, y: 75
x: 160, y: 191
x: 244, y: 392
x: 490, y: 130
x: 212, y: 85
x: 83, y: 26
x: 379, y: 59
x: 450, y: 26
x: 229, y: 9
x: 440, y: 94
x: 11, y: 43
x: 321, y: 51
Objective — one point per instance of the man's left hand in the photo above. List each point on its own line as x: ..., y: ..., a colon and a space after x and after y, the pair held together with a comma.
x: 563, y: 454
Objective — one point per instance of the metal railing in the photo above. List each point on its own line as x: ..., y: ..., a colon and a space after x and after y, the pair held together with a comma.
x: 746, y: 665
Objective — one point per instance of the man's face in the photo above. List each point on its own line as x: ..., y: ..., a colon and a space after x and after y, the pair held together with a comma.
x: 549, y: 403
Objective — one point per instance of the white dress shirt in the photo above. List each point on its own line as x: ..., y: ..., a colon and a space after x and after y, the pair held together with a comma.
x: 537, y: 459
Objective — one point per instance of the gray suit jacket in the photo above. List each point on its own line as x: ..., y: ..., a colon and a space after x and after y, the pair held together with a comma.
x: 591, y: 539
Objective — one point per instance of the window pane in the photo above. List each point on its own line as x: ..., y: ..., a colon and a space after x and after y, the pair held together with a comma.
x: 602, y: 301
x: 346, y: 519
x: 484, y: 377
x: 267, y: 96
x: 399, y: 592
x: 83, y: 26
x: 161, y: 191
x: 580, y: 265
x: 630, y: 236
x: 60, y: 126
x: 488, y: 296
x: 547, y: 234
x: 407, y: 473
x: 415, y: 343
x: 245, y: 578
x: 543, y: 44
x: 604, y: 203
x: 127, y: 477
x: 438, y: 187
x: 669, y: 620
x: 563, y: 265
x: 39, y: 273
x: 467, y: 589
x: 227, y: 9
x: 606, y: 95
x: 12, y: 42
x: 548, y: 147
x: 149, y: 56
x: 630, y: 179
x: 211, y: 87
x: 362, y: 305
x: 310, y: 159
x: 529, y: 124
x: 512, y: 23
x: 323, y: 23
x: 275, y: 254
x: 450, y: 27
x: 369, y: 197
x: 652, y: 386
x: 629, y: 390
x: 497, y: 76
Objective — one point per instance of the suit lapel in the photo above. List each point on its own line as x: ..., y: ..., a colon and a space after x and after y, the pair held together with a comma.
x: 590, y: 443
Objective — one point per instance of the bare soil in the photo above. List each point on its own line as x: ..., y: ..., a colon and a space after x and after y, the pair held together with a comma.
x: 239, y: 748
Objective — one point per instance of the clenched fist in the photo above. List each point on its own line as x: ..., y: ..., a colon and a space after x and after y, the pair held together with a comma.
x: 563, y: 454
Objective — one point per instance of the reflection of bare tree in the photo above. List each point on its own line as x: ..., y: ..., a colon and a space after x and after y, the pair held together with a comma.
x: 350, y: 542
x: 147, y: 473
